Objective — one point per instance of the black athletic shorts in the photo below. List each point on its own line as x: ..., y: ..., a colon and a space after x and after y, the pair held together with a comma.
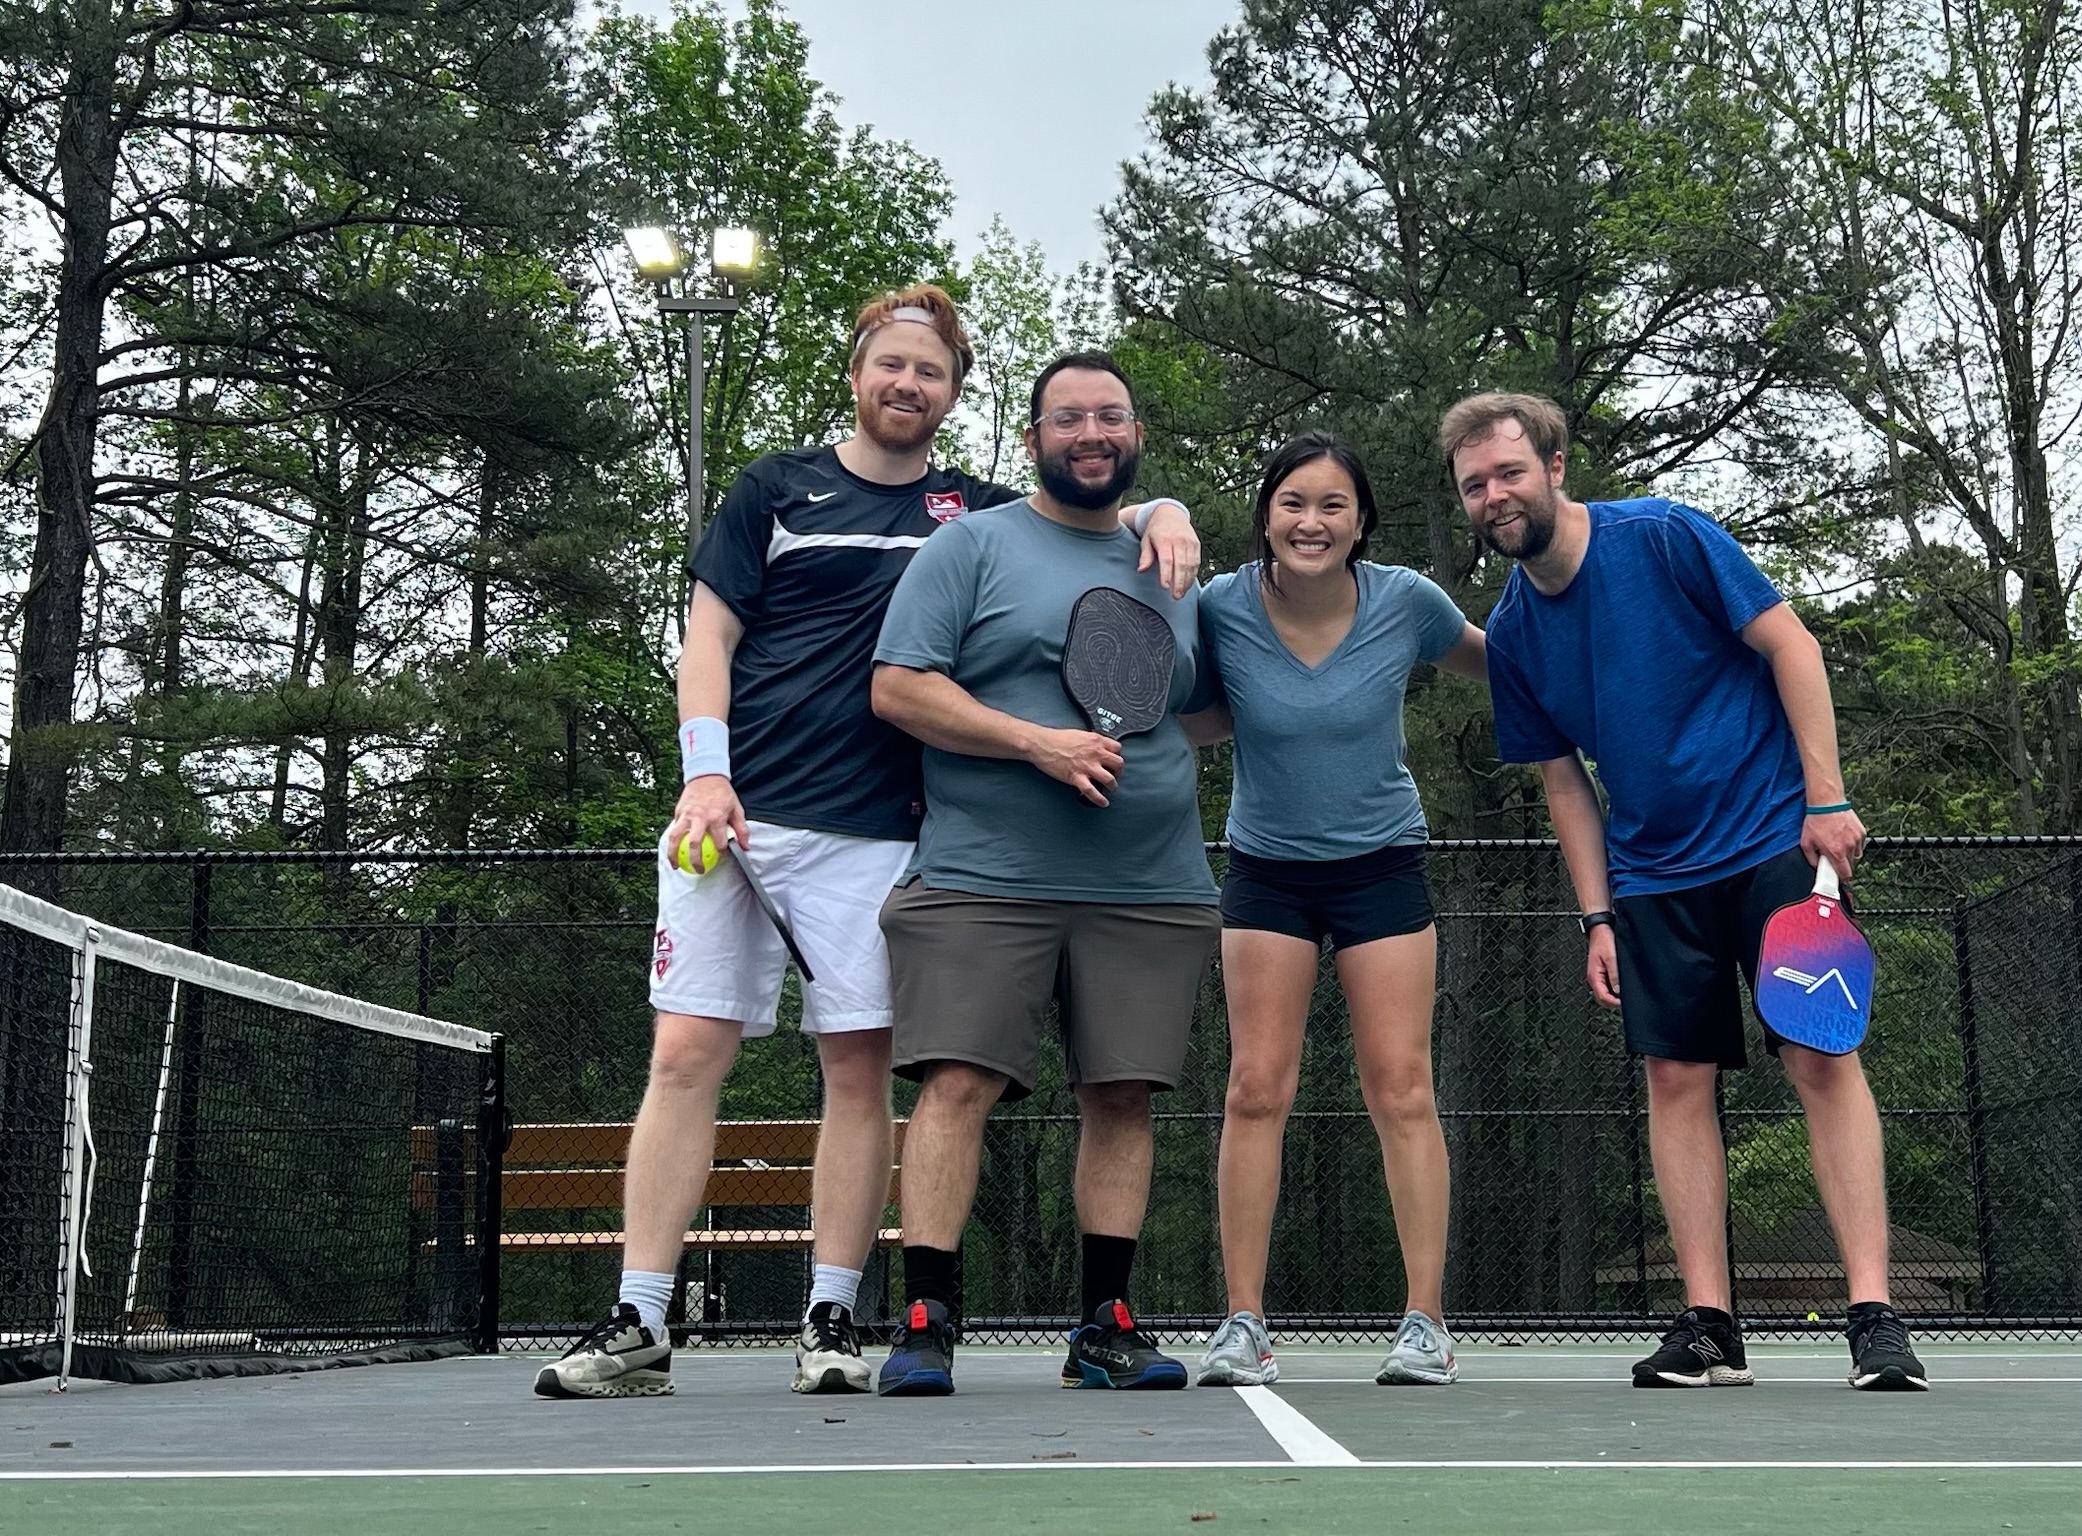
x: 1679, y: 952
x: 1354, y: 901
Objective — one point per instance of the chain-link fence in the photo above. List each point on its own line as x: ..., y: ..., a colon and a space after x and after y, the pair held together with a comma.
x: 1555, y: 1226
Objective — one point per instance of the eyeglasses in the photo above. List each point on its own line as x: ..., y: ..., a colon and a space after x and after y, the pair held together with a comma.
x: 1111, y: 418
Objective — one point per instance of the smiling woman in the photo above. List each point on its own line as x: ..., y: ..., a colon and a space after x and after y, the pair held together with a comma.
x: 1314, y: 646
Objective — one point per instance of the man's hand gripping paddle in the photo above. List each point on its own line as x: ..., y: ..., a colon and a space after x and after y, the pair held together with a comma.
x: 1117, y: 662
x: 684, y: 857
x: 1814, y: 970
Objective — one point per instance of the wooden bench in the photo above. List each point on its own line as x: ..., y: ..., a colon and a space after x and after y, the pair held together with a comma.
x: 758, y: 1165
x: 580, y: 1167
x: 575, y: 1170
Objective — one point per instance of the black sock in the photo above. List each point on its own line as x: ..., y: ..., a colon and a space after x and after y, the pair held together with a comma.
x: 1107, y: 1261
x: 932, y: 1274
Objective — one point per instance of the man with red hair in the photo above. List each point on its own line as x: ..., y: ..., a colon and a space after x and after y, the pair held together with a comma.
x: 781, y: 750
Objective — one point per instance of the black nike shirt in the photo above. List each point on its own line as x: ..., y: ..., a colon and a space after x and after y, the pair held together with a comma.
x: 806, y: 554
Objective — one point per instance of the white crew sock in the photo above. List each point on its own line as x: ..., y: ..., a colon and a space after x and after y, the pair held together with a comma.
x: 834, y: 1283
x: 650, y: 1293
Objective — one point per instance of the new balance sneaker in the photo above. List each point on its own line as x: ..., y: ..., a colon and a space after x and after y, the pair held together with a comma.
x: 1422, y: 1355
x: 1702, y: 1349
x: 1881, y: 1360
x: 921, y: 1361
x: 618, y: 1358
x: 827, y: 1352
x: 1239, y: 1354
x: 1109, y: 1351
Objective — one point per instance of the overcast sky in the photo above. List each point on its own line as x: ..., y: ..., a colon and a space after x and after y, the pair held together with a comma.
x: 1029, y: 105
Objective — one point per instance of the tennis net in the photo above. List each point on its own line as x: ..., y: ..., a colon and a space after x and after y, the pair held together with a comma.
x: 206, y: 1170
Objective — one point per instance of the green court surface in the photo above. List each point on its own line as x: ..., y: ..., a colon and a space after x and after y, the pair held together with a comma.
x: 1546, y: 1440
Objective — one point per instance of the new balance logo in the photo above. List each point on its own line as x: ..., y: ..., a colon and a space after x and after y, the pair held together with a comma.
x: 1814, y: 984
x: 1706, y: 1349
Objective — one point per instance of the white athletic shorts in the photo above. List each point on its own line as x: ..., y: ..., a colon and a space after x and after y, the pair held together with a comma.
x: 716, y: 956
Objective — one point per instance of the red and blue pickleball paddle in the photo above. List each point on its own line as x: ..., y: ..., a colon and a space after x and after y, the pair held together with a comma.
x: 1814, y: 971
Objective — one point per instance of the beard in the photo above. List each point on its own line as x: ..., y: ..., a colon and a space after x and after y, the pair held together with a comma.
x: 1059, y: 478
x: 1534, y: 533
x: 894, y: 431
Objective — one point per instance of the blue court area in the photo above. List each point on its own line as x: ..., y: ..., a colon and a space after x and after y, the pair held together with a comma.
x: 1546, y: 1438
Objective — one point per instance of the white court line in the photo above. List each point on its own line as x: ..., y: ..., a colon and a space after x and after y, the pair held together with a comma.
x: 912, y: 1468
x: 1297, y: 1434
x: 1609, y: 1380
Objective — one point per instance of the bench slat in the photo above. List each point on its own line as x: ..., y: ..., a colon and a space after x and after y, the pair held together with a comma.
x: 772, y: 1141
x: 749, y: 1238
x: 592, y: 1189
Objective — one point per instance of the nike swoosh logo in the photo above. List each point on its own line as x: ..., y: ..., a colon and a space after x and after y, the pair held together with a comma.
x: 813, y: 496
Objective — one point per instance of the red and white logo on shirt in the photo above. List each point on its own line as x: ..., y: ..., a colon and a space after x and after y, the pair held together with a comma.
x: 944, y: 506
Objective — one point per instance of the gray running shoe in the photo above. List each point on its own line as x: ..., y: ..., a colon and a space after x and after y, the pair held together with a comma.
x: 827, y: 1352
x: 1239, y: 1354
x: 618, y: 1358
x: 1422, y: 1355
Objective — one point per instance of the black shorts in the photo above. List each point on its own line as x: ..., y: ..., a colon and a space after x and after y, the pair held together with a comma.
x: 1354, y: 901
x: 1679, y: 952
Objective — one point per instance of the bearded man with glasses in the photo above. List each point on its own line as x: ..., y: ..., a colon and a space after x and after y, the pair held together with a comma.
x: 1054, y: 864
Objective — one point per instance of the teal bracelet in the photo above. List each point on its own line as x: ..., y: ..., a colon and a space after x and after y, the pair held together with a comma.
x: 1827, y: 810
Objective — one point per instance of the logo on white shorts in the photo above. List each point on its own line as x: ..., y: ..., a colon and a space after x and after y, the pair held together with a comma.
x: 661, y: 949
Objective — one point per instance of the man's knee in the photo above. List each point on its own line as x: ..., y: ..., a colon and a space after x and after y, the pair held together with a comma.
x: 1813, y: 1072
x: 1680, y: 1085
x: 959, y: 1090
x: 1114, y: 1103
x: 692, y: 1054
x: 855, y: 1065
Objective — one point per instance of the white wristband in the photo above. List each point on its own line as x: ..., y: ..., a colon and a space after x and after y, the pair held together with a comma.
x: 704, y: 747
x: 1139, y: 523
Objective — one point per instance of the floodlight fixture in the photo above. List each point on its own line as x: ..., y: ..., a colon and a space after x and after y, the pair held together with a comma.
x: 734, y: 253
x: 655, y: 252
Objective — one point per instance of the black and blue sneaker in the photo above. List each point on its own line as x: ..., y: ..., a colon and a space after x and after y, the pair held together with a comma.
x: 1110, y: 1351
x: 921, y: 1360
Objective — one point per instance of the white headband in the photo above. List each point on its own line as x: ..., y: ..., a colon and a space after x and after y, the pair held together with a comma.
x: 910, y: 312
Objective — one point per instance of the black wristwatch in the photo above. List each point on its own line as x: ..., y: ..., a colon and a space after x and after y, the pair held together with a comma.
x: 1591, y: 920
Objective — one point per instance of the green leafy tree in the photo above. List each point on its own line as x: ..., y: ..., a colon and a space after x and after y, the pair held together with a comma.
x: 443, y: 115
x: 1932, y: 177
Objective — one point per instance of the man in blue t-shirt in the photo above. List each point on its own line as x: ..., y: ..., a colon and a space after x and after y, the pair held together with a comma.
x: 1637, y: 634
x: 781, y: 751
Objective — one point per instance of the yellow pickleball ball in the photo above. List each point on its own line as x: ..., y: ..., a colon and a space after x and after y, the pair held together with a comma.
x: 683, y: 855
x: 1814, y: 1317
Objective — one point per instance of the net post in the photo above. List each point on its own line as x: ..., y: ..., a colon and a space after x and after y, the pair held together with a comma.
x: 78, y: 1151
x: 1976, y: 1124
x: 493, y: 1133
x: 1720, y: 1115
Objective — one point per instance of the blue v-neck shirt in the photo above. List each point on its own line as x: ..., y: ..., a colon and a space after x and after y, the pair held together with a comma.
x: 1319, y: 750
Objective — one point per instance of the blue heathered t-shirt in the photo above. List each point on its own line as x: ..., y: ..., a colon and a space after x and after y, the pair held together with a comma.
x: 1639, y: 665
x: 1319, y: 750
x: 987, y: 602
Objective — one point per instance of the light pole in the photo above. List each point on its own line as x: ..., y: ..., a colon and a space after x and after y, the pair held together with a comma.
x: 733, y: 257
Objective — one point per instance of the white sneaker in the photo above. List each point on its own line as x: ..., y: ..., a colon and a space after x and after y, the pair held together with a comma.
x: 1239, y: 1354
x: 827, y: 1353
x: 1422, y: 1355
x: 618, y: 1358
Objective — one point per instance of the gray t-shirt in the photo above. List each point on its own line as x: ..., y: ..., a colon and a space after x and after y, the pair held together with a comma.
x: 987, y: 602
x: 1319, y: 750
